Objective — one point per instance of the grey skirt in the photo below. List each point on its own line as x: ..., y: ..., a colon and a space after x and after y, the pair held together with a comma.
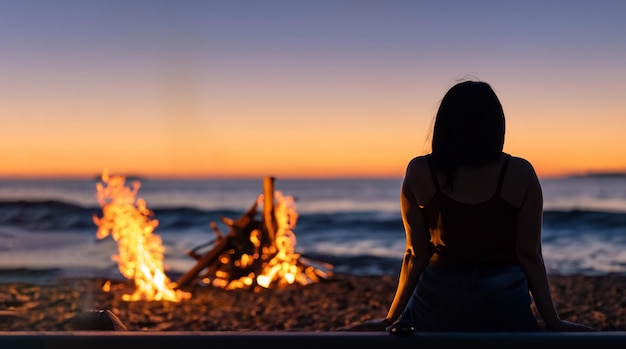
x: 471, y: 298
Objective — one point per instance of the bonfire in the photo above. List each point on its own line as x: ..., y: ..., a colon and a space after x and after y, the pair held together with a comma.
x: 140, y: 252
x: 258, y: 251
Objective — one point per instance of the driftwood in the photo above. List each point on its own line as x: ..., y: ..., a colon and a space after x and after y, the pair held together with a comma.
x: 256, y: 239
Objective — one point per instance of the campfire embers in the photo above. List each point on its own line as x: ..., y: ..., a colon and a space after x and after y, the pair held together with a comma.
x: 255, y: 253
x: 128, y: 220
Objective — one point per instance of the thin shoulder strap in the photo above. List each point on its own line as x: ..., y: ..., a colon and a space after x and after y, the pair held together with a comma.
x: 433, y: 173
x: 505, y: 165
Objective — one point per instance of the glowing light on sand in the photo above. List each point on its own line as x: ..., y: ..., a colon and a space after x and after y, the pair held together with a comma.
x: 140, y: 252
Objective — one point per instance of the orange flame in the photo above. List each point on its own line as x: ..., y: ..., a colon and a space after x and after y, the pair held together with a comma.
x: 283, y: 267
x: 281, y: 264
x: 129, y: 222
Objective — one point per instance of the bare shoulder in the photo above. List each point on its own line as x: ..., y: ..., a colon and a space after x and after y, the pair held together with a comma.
x: 419, y: 165
x: 520, y: 178
x: 521, y: 169
x: 418, y: 180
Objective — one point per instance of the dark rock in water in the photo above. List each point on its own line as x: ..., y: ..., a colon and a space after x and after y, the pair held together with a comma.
x: 97, y: 320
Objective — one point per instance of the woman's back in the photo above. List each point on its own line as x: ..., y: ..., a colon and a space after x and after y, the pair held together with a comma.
x: 473, y: 185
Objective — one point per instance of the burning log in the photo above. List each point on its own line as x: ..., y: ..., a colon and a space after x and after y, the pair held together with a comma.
x: 235, y: 240
x: 269, y: 220
x: 254, y: 252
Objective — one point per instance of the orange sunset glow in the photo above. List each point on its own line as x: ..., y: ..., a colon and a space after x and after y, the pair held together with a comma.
x: 303, y: 89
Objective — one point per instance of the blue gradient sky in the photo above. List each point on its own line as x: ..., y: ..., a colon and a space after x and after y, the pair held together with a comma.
x: 300, y: 88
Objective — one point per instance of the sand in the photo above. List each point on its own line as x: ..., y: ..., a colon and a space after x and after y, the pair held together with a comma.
x: 340, y: 303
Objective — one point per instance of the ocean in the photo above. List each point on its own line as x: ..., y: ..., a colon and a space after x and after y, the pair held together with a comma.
x: 47, y: 228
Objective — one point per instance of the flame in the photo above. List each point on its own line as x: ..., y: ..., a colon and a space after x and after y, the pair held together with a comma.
x: 130, y: 223
x: 281, y: 264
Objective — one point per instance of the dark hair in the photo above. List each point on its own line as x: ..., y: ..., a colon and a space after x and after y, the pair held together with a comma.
x: 469, y: 128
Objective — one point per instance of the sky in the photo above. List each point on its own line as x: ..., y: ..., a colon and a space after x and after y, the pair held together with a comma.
x: 300, y: 89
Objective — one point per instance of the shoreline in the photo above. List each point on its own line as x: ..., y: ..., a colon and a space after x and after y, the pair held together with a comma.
x: 339, y: 303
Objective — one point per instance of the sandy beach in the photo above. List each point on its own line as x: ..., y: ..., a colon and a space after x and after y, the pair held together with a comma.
x: 336, y: 304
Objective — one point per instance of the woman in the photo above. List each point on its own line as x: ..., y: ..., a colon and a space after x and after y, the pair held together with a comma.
x: 472, y: 216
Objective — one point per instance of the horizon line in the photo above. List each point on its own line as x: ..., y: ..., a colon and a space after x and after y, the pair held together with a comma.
x: 131, y: 176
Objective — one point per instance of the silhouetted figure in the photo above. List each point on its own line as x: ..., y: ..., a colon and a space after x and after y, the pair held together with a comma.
x: 472, y: 216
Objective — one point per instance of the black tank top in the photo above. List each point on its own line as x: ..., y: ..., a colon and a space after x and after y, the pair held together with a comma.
x: 472, y: 233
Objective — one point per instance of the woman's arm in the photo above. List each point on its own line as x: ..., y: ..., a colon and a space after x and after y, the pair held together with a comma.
x: 528, y: 250
x: 418, y: 247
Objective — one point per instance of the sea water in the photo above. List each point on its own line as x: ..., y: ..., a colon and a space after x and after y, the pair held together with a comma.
x: 353, y: 224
